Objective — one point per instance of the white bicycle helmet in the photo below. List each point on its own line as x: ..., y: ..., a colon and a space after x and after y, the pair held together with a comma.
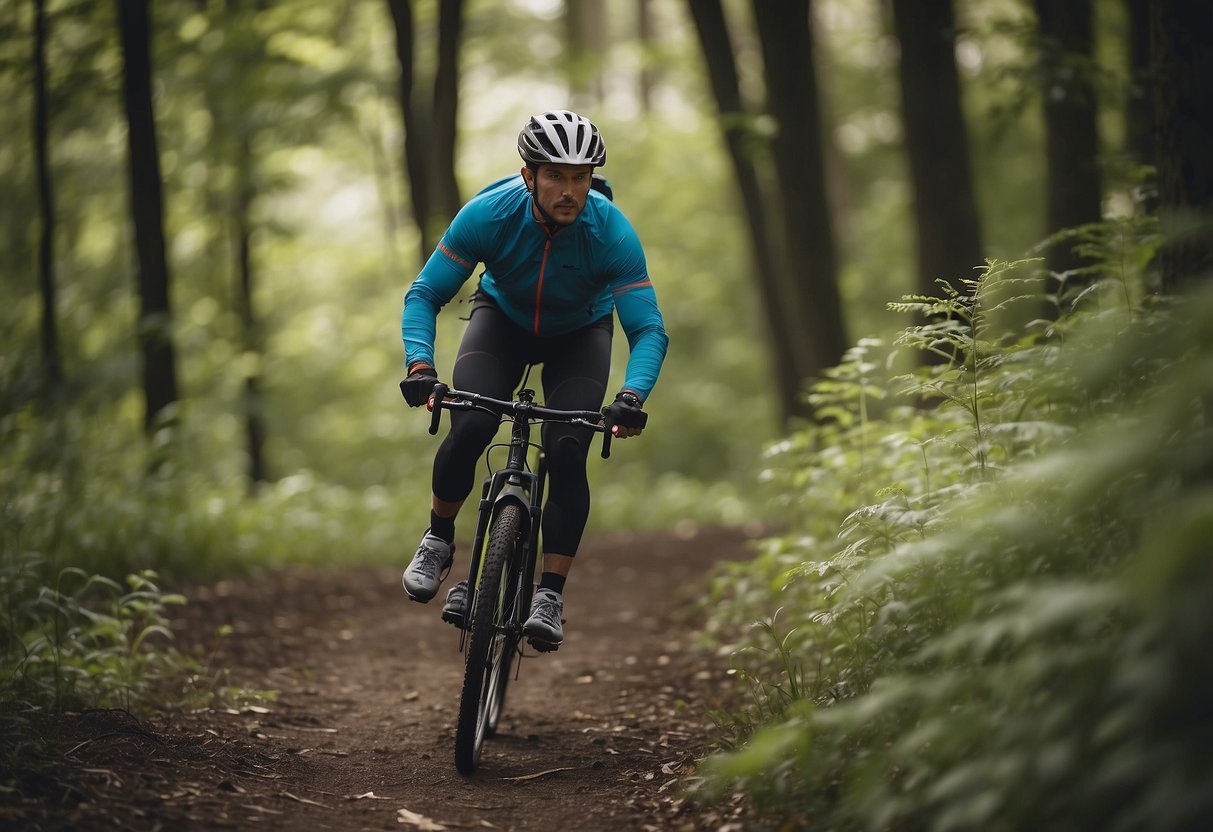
x: 561, y: 137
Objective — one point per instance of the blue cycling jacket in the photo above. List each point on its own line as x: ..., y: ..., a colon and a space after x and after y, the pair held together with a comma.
x: 549, y: 284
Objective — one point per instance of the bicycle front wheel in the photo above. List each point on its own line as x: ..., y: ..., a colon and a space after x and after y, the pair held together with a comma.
x: 490, y: 648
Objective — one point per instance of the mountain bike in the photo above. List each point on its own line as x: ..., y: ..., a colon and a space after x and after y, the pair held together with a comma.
x: 505, y: 551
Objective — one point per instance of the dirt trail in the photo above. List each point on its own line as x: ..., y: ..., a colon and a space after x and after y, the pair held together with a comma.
x: 361, y: 735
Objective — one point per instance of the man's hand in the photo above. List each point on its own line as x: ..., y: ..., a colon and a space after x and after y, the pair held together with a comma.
x: 419, y: 385
x: 627, y: 419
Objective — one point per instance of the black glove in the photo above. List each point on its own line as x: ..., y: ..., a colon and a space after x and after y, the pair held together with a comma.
x: 418, y: 386
x: 625, y: 411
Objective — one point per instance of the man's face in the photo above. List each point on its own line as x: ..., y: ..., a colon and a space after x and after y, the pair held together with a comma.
x: 561, y: 190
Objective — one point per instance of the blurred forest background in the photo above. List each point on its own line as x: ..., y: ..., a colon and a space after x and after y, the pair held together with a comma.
x: 961, y: 226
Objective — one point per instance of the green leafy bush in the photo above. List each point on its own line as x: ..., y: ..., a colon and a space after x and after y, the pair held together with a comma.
x: 1007, y: 631
x: 90, y: 642
x: 87, y: 640
x: 84, y: 502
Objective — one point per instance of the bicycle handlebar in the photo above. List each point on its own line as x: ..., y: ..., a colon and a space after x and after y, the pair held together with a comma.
x: 445, y: 397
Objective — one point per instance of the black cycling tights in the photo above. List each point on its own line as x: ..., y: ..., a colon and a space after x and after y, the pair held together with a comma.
x: 492, y: 358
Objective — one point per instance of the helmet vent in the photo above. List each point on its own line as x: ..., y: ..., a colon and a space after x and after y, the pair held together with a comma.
x: 561, y: 137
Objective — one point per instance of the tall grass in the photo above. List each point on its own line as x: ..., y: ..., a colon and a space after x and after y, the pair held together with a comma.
x: 999, y: 618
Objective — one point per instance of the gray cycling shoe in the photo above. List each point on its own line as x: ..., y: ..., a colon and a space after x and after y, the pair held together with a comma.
x: 454, y: 611
x: 428, y: 568
x: 545, y: 628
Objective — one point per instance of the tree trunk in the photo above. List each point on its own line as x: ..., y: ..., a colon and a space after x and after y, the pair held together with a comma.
x: 947, y: 227
x: 1075, y: 187
x: 1180, y: 32
x: 1139, y: 104
x: 585, y: 46
x: 52, y: 367
x: 717, y: 47
x: 446, y: 105
x: 430, y: 121
x: 254, y: 420
x: 416, y: 139
x: 155, y: 316
x: 645, y: 37
x: 798, y: 147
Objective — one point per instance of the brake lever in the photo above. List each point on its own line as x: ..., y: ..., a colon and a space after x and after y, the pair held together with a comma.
x: 435, y: 405
x: 606, y: 434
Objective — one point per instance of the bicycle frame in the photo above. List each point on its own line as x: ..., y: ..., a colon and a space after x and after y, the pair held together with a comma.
x: 515, y: 481
x: 502, y: 566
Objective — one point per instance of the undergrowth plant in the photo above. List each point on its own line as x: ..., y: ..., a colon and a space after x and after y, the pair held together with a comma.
x: 89, y: 641
x: 1003, y: 629
x: 84, y: 518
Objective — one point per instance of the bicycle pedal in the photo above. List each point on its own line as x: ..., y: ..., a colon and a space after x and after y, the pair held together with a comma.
x: 453, y: 618
x: 544, y: 646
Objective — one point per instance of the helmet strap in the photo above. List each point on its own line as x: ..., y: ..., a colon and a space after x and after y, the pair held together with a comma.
x: 548, y: 220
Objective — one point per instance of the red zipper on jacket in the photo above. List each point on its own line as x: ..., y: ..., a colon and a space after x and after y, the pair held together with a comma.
x: 539, y: 288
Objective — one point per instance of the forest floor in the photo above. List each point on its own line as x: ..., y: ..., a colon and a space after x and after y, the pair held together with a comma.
x: 600, y: 735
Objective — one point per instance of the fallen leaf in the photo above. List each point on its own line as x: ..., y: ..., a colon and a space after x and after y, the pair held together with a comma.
x: 264, y: 810
x: 303, y: 800
x: 418, y: 821
x: 537, y: 774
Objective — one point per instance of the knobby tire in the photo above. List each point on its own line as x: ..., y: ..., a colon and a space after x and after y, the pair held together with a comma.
x: 490, y: 648
x: 509, y: 649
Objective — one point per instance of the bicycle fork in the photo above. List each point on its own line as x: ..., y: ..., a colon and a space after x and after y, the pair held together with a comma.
x: 525, y: 489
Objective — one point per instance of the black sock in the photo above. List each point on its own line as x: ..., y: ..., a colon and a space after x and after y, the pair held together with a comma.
x: 443, y: 527
x: 552, y: 581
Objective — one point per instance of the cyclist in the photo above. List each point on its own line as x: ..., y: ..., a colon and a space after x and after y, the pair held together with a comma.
x: 559, y: 257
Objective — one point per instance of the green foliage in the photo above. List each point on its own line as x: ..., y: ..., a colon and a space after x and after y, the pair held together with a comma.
x: 87, y: 641
x: 84, y: 499
x: 991, y: 611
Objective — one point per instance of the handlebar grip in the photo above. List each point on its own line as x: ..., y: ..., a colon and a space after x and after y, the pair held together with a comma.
x: 436, y: 406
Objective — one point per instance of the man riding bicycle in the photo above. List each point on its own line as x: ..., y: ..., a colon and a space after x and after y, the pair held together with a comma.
x: 559, y: 257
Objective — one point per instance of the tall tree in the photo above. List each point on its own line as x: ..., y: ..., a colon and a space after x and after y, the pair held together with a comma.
x: 716, y: 44
x: 445, y: 109
x: 155, y: 327
x: 585, y: 49
x: 645, y: 37
x: 1075, y: 185
x: 1139, y: 104
x: 784, y: 30
x: 254, y: 420
x: 1183, y: 96
x: 936, y: 143
x: 52, y: 366
x: 237, y: 113
x: 430, y: 119
x: 416, y: 138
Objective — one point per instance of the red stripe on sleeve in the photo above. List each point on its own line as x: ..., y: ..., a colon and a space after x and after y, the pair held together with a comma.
x: 454, y: 256
x: 631, y: 286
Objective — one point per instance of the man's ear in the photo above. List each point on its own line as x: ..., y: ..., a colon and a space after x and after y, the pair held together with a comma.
x: 528, y: 178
